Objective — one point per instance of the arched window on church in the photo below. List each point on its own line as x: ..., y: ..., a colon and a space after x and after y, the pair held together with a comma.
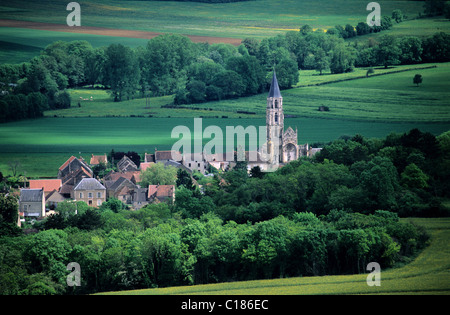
x: 276, y: 117
x: 276, y: 103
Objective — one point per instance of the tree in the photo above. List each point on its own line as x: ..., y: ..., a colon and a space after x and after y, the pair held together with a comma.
x: 93, y: 65
x: 8, y: 210
x: 362, y: 29
x: 414, y: 177
x: 159, y: 174
x: 230, y: 84
x: 305, y: 29
x: 252, y: 46
x: 411, y: 50
x: 417, y: 79
x: 369, y: 71
x: 184, y: 179
x: 350, y: 30
x: 121, y: 71
x: 397, y: 15
x: 165, y: 61
x: 48, y: 252
x: 434, y: 7
x: 388, y: 51
x: 342, y: 59
x: 251, y: 72
x: 321, y: 60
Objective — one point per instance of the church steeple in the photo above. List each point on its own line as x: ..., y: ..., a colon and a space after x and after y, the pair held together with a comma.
x: 275, y: 119
x: 274, y: 87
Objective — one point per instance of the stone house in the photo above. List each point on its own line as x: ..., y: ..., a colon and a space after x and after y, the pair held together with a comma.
x: 32, y: 203
x: 98, y: 159
x: 161, y: 193
x: 90, y: 191
x: 126, y: 165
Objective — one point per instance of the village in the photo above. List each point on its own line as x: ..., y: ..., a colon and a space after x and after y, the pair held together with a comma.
x: 76, y: 181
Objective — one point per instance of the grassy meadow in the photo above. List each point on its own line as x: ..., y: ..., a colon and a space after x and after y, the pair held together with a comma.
x: 258, y: 18
x: 428, y: 273
x: 20, y: 44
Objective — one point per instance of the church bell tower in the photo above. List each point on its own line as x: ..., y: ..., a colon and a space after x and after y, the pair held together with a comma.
x: 275, y: 121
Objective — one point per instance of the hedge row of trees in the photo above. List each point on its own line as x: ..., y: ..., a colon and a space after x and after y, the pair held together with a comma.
x: 153, y: 247
x: 174, y: 65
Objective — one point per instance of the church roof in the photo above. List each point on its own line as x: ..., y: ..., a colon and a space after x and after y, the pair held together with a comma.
x: 274, y: 88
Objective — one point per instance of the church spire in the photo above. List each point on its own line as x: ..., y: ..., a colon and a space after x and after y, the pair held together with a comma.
x: 274, y: 91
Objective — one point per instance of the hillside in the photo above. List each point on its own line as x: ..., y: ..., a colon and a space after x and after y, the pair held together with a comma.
x: 426, y: 274
x: 350, y: 96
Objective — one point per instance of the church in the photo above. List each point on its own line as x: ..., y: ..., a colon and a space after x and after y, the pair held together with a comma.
x: 282, y: 145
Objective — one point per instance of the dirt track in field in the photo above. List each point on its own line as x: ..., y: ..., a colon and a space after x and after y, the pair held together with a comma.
x: 109, y: 32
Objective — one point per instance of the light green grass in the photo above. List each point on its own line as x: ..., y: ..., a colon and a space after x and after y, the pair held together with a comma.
x: 429, y: 273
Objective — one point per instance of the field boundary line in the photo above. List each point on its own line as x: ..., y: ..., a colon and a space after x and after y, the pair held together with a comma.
x: 364, y: 76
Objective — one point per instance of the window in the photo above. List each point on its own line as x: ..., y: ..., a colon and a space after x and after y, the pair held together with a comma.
x: 90, y: 195
x: 99, y: 195
x: 99, y: 202
x: 276, y: 103
x: 25, y: 207
x: 276, y: 118
x: 81, y: 195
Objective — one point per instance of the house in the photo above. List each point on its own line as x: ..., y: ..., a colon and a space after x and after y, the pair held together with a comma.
x: 145, y: 165
x: 53, y: 198
x: 149, y: 158
x: 98, y: 159
x: 161, y: 193
x: 139, y: 198
x: 195, y: 162
x: 90, y: 191
x: 49, y: 185
x: 120, y: 189
x: 71, y: 165
x: 71, y: 180
x: 164, y: 156
x: 126, y: 165
x: 133, y: 176
x: 32, y: 202
x: 71, y: 173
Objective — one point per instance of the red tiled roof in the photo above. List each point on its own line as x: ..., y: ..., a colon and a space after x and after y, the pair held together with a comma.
x: 161, y: 190
x: 145, y: 165
x: 67, y: 162
x: 97, y: 159
x: 48, y: 184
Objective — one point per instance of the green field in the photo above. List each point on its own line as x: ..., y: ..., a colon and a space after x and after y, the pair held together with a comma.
x: 20, y: 44
x: 259, y: 18
x: 42, y: 145
x: 429, y: 273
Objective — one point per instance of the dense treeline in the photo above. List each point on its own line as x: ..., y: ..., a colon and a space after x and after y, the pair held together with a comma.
x: 194, y: 73
x: 332, y: 214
